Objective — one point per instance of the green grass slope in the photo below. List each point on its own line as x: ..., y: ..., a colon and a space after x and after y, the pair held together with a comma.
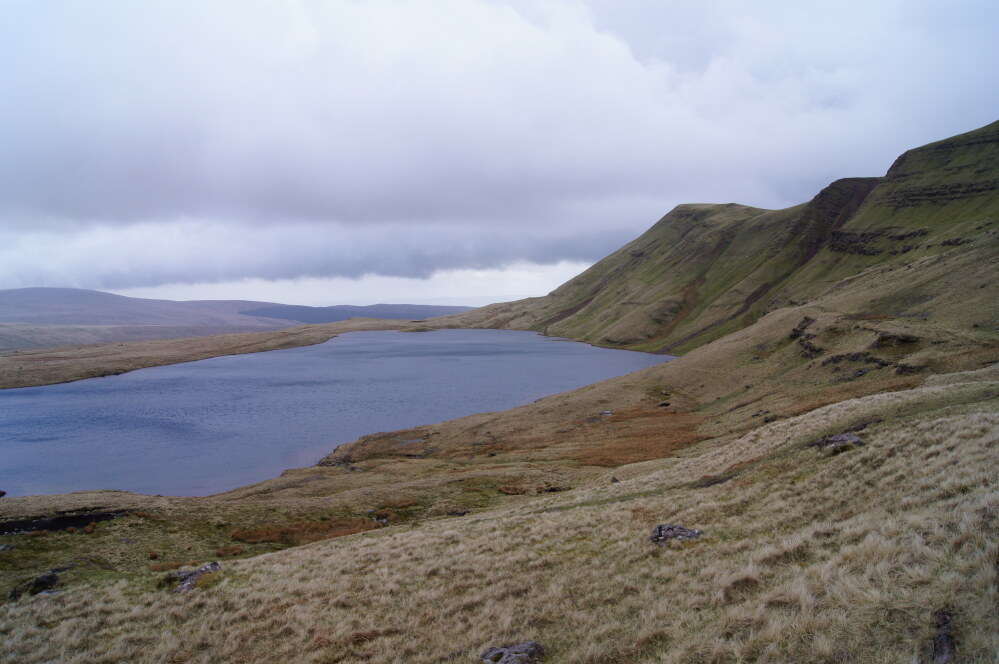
x: 704, y: 271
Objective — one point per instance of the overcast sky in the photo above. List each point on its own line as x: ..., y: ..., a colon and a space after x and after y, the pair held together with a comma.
x: 327, y: 152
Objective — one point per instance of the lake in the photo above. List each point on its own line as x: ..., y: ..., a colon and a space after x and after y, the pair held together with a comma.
x: 209, y: 426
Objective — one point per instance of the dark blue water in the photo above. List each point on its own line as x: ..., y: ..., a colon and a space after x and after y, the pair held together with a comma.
x: 209, y: 426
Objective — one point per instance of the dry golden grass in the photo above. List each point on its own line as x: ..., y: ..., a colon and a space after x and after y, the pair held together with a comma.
x: 805, y: 558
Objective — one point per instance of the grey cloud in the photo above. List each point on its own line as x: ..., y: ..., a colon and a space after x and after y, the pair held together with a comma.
x: 113, y: 257
x: 340, y: 138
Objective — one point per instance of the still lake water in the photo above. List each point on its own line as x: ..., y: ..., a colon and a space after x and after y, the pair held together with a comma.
x: 209, y: 426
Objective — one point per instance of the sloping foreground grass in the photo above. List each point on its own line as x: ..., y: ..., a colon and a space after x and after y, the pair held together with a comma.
x: 865, y: 556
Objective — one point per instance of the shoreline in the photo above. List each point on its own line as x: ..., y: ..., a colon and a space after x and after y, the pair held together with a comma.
x: 53, y: 365
x: 314, y: 439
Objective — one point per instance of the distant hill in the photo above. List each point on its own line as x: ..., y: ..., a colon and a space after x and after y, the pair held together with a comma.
x: 77, y: 306
x: 343, y: 312
x: 36, y: 317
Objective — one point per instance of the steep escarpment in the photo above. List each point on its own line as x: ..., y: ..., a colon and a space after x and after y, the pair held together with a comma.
x: 701, y: 272
x: 935, y: 200
x: 704, y: 271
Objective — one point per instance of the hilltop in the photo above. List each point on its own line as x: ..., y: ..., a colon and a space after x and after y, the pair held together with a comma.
x: 831, y: 427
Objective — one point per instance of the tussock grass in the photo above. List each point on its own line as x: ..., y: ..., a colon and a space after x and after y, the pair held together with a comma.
x: 805, y: 558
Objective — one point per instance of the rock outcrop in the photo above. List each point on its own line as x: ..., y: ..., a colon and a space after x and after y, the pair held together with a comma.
x: 665, y: 533
x: 528, y: 652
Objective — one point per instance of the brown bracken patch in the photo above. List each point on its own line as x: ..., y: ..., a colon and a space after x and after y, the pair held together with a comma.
x: 639, y: 435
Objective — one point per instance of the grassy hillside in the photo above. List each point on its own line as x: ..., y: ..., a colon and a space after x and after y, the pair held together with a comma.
x: 77, y: 306
x: 704, y: 271
x: 868, y: 312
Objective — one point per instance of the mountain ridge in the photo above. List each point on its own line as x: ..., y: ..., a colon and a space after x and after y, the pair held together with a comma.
x: 703, y: 271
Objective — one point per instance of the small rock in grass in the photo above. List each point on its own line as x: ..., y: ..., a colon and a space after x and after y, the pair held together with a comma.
x: 528, y: 652
x: 44, y: 582
x: 189, y: 579
x: 667, y: 532
x: 33, y: 587
x: 837, y: 443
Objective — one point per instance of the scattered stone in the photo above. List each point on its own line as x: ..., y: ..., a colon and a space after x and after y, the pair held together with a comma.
x: 808, y: 349
x: 6, y: 547
x: 837, y: 443
x: 666, y: 532
x: 44, y: 582
x: 606, y: 413
x: 33, y: 587
x: 614, y: 480
x: 944, y: 648
x: 528, y: 652
x: 2, y: 493
x: 189, y: 579
x: 799, y: 329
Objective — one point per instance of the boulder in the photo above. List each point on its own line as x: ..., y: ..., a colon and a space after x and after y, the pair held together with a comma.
x: 837, y: 443
x: 35, y: 586
x: 668, y: 532
x: 189, y: 579
x: 528, y: 652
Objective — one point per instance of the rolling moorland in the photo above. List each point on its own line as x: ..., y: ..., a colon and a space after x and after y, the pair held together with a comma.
x: 832, y: 428
x: 41, y: 317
